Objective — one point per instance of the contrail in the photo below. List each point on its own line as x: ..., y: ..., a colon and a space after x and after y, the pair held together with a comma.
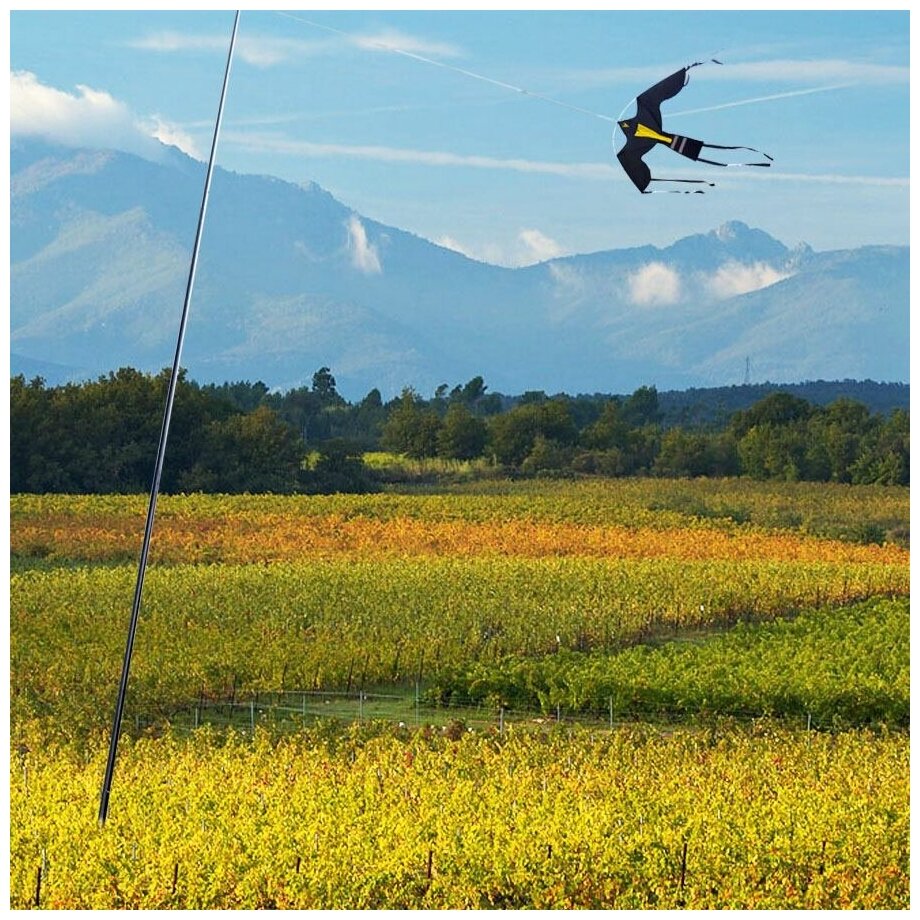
x: 384, y: 46
x: 731, y: 105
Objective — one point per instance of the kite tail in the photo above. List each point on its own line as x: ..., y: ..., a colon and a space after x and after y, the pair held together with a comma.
x: 674, y: 191
x: 691, y: 148
x: 766, y: 161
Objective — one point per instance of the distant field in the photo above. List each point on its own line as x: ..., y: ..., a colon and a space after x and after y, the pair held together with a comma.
x: 691, y: 600
x: 606, y: 518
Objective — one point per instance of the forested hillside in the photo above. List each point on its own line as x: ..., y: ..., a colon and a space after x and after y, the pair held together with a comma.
x: 101, y: 436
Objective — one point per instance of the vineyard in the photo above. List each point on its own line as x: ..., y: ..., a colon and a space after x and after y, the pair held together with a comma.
x: 749, y: 643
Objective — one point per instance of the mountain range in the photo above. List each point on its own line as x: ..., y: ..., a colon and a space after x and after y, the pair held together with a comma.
x: 291, y: 279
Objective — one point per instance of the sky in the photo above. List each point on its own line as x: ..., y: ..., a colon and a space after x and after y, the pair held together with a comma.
x: 416, y: 118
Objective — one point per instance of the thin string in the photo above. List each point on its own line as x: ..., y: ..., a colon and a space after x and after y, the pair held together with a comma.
x: 467, y: 73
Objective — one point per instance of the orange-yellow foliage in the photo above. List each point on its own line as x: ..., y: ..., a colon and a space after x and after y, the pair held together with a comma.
x: 279, y: 537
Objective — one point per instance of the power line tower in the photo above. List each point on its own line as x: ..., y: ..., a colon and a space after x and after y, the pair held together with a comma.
x: 747, y: 371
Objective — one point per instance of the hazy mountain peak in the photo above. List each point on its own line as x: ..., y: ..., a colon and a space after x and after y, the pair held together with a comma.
x: 292, y: 279
x: 738, y: 235
x: 731, y: 230
x: 50, y: 166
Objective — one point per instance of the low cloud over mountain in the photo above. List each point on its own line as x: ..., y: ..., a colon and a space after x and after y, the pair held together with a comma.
x: 291, y: 279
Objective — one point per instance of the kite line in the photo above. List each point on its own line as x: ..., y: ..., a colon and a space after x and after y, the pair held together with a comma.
x: 161, y: 449
x: 635, y: 170
x: 383, y: 46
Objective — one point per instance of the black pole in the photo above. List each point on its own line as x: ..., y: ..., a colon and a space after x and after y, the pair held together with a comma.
x: 161, y: 449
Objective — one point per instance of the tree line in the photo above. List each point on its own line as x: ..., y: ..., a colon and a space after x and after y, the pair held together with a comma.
x: 101, y: 435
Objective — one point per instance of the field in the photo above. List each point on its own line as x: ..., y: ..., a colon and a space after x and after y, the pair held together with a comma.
x: 712, y: 680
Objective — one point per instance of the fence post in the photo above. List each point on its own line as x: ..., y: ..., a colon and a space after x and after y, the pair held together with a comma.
x: 252, y: 715
x: 501, y: 720
x: 611, y: 713
x: 417, y: 717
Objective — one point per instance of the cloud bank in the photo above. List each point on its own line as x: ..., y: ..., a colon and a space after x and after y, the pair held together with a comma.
x: 734, y: 278
x: 364, y: 255
x: 527, y: 248
x: 88, y: 118
x: 400, y: 42
x: 657, y: 284
x: 539, y: 245
x: 270, y: 51
x: 786, y: 70
x: 275, y: 143
x: 654, y: 285
x: 259, y: 51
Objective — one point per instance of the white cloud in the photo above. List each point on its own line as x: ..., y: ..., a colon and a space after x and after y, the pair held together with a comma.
x: 174, y: 135
x: 733, y: 278
x: 788, y: 70
x: 87, y: 118
x: 172, y: 42
x: 364, y: 256
x: 833, y: 70
x: 539, y: 246
x: 595, y: 172
x: 279, y: 144
x: 260, y: 51
x: 393, y: 40
x: 448, y: 242
x: 654, y: 285
x: 527, y: 248
x: 570, y: 282
x: 830, y: 178
x: 269, y: 51
x: 508, y: 256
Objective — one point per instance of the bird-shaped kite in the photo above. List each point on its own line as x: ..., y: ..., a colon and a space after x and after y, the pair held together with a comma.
x: 644, y: 130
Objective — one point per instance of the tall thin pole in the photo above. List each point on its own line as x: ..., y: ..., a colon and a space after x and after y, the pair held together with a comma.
x: 161, y: 449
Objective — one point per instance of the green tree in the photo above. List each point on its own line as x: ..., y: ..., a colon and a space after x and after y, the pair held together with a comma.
x: 642, y: 408
x: 411, y: 429
x: 242, y: 395
x: 836, y: 434
x: 257, y: 452
x: 324, y: 388
x: 884, y: 457
x: 339, y: 468
x: 513, y: 434
x: 691, y: 454
x: 34, y: 463
x: 774, y: 452
x: 547, y: 456
x: 473, y: 391
x: 776, y: 409
x: 462, y: 435
x: 610, y: 430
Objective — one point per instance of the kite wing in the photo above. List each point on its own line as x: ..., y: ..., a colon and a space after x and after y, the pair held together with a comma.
x: 649, y: 103
x: 644, y: 130
x: 630, y: 158
x: 648, y: 114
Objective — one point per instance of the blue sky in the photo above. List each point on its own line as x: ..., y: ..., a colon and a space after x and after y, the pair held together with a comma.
x: 500, y: 175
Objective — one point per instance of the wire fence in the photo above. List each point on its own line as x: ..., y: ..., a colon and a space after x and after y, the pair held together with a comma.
x: 294, y: 710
